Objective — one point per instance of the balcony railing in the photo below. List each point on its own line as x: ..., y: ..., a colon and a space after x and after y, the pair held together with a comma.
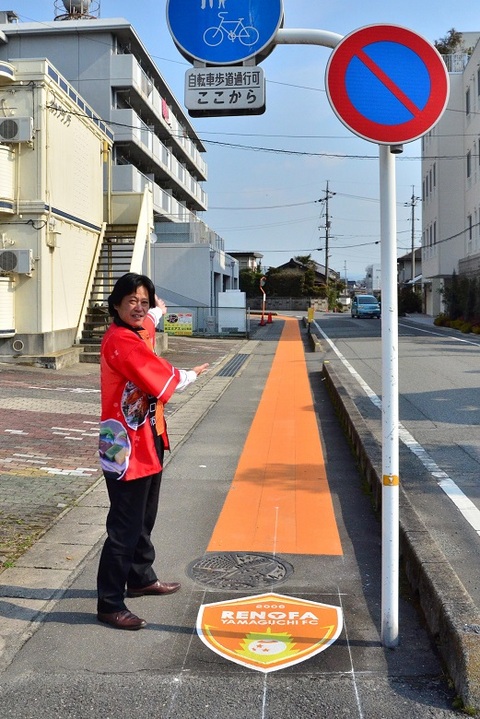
x: 127, y: 72
x: 130, y: 128
x: 456, y: 61
x: 128, y: 179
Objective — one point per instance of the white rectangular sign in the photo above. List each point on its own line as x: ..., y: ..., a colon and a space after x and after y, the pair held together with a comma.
x: 237, y: 90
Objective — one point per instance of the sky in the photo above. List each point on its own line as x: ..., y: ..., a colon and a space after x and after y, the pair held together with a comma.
x: 268, y: 174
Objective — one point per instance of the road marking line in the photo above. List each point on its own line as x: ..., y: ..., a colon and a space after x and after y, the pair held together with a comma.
x: 465, y: 506
x: 279, y: 500
x: 440, y: 334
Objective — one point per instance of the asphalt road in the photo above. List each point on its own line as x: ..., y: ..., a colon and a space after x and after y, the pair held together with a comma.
x: 439, y: 407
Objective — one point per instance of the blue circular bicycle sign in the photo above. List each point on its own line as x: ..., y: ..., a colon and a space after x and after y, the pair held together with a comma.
x: 224, y: 32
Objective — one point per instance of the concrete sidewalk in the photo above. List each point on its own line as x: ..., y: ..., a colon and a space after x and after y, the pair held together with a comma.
x: 74, y: 667
x: 52, y: 494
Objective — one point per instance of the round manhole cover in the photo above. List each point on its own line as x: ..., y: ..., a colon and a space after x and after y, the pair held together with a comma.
x: 238, y: 570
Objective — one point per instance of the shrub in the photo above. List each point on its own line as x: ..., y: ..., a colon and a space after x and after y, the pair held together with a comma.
x: 441, y: 320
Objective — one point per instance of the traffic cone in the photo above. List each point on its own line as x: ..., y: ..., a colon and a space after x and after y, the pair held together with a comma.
x: 269, y: 320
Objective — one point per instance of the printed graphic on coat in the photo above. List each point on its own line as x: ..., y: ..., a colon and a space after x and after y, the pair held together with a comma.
x: 135, y: 405
x: 113, y: 448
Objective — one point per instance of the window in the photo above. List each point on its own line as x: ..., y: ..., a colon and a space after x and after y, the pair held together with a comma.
x: 469, y: 163
x: 467, y: 102
x: 469, y: 234
x: 434, y: 174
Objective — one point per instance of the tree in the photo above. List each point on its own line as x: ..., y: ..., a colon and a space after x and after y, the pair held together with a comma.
x: 451, y: 43
x: 408, y: 301
x: 454, y: 295
x: 249, y: 282
x: 305, y: 260
x: 285, y: 283
x: 310, y: 286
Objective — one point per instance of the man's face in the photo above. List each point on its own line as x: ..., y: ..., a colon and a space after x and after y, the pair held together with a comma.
x: 134, y: 307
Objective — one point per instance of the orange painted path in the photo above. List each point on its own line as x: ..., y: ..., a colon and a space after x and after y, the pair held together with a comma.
x: 279, y: 500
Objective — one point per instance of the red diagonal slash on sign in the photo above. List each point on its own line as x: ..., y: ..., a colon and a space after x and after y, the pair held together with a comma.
x: 383, y: 121
x: 385, y: 79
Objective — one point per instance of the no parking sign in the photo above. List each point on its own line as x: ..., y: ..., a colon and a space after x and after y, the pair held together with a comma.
x: 387, y: 84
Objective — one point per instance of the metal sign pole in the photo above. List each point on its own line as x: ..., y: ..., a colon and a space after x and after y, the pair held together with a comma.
x: 390, y: 439
x: 264, y: 298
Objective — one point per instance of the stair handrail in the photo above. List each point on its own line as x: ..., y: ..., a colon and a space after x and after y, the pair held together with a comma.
x: 89, y: 284
x: 143, y: 233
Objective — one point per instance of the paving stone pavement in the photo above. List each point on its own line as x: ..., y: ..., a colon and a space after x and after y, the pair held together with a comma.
x: 48, y: 437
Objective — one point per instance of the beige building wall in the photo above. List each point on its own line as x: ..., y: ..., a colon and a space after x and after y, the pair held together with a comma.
x: 57, y: 204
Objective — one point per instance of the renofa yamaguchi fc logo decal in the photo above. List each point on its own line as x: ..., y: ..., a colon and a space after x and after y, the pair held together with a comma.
x: 268, y: 632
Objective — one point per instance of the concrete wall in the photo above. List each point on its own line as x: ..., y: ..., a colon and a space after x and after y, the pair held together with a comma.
x: 196, y: 271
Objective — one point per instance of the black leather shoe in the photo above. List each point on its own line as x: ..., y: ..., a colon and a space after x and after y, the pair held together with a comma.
x: 122, y: 619
x: 155, y: 588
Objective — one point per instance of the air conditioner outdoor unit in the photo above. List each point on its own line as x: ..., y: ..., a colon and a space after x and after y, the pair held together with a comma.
x: 16, y: 129
x: 20, y: 261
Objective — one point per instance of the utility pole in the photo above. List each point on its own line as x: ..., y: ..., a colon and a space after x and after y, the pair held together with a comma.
x: 328, y: 195
x: 412, y: 204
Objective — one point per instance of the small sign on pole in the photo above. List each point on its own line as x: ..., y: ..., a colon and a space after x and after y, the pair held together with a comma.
x: 215, y: 91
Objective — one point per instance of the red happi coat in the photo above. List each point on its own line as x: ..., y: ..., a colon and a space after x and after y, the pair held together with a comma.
x: 133, y: 381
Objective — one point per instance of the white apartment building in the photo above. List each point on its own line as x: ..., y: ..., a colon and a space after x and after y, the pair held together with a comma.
x: 373, y: 278
x: 107, y: 64
x: 451, y: 180
x: 156, y: 170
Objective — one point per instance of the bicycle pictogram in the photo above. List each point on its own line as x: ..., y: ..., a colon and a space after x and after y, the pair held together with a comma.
x: 231, y: 30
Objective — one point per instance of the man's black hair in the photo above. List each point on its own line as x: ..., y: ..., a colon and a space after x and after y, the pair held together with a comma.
x: 127, y: 285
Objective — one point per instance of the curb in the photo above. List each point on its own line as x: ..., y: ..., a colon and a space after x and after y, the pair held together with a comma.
x: 315, y: 343
x: 451, y: 616
x: 313, y: 339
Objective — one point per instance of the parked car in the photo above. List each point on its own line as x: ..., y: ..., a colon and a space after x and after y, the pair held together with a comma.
x: 365, y: 306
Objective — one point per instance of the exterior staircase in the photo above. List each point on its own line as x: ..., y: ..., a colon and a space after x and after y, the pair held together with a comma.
x: 114, y: 261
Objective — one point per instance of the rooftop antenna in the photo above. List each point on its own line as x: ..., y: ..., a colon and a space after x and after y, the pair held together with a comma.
x: 77, y: 9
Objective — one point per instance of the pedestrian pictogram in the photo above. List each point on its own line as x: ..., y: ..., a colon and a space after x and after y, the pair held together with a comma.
x: 268, y: 632
x: 387, y: 84
x: 224, y: 32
